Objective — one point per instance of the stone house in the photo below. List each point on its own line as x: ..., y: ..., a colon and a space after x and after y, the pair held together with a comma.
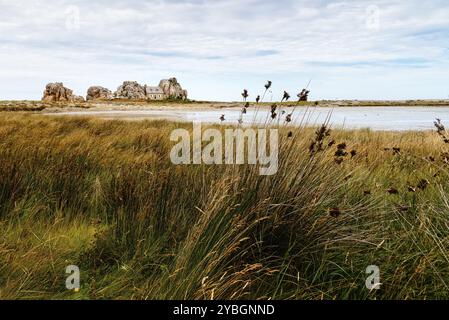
x: 154, y: 93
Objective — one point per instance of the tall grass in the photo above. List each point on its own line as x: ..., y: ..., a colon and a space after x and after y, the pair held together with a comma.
x: 104, y: 195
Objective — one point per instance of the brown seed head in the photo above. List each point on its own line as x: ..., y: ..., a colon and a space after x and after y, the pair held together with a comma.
x: 392, y: 191
x: 334, y: 212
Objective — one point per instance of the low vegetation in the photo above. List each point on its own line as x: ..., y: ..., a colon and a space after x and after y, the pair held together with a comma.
x: 103, y: 195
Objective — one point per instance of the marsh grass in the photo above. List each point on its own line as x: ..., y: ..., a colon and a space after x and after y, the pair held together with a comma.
x: 104, y: 195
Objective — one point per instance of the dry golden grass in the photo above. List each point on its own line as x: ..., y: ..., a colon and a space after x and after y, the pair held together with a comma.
x: 104, y: 195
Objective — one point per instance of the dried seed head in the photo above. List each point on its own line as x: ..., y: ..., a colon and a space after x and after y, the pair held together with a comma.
x: 312, y: 146
x: 392, y: 191
x: 423, y: 184
x: 341, y: 146
x: 268, y: 85
x: 334, y: 212
x: 440, y: 127
x: 445, y: 157
x: 303, y: 95
x: 341, y: 153
x: 286, y: 96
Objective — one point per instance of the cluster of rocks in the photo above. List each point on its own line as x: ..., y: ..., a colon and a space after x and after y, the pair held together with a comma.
x: 132, y: 90
x: 129, y: 90
x: 172, y: 89
x: 55, y: 92
x: 99, y: 93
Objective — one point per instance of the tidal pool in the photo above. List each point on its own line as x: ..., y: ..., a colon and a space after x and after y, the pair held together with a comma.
x: 375, y: 118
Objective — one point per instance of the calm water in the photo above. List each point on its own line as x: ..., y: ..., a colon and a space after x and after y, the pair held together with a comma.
x: 376, y: 118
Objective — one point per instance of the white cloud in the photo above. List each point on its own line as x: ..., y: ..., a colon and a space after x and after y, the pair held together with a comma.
x: 218, y: 47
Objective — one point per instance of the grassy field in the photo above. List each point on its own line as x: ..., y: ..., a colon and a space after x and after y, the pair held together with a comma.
x: 104, y: 195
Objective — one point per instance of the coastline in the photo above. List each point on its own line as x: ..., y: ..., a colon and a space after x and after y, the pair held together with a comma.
x: 40, y: 106
x: 410, y: 115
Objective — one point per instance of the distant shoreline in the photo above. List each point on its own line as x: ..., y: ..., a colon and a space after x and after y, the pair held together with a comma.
x: 36, y: 106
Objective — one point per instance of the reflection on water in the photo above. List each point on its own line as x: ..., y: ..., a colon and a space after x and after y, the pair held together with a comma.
x: 376, y: 118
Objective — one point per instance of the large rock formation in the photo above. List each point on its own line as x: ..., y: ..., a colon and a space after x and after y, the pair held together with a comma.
x: 131, y: 90
x: 56, y: 92
x: 172, y: 89
x: 99, y: 93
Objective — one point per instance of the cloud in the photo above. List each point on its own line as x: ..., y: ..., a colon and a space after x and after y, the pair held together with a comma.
x: 217, y: 47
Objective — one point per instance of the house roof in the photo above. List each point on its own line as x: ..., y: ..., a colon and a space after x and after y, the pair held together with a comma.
x: 155, y: 90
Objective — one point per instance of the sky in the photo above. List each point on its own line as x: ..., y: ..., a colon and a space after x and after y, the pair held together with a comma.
x: 359, y: 49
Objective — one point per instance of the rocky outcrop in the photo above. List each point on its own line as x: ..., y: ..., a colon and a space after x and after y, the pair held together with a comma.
x: 131, y: 90
x: 99, y: 93
x: 56, y: 92
x: 172, y: 89
x: 77, y: 99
